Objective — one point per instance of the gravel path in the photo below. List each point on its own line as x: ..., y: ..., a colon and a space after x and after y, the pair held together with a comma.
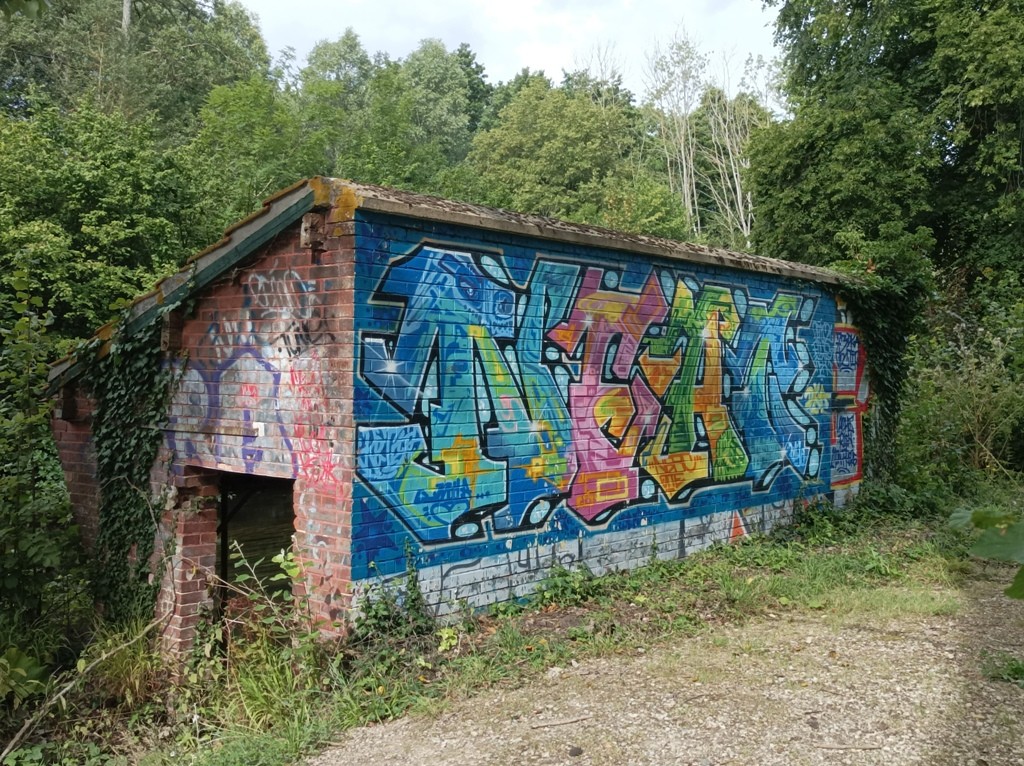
x: 792, y: 690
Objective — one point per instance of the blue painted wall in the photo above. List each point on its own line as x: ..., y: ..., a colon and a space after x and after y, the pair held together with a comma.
x: 518, y: 399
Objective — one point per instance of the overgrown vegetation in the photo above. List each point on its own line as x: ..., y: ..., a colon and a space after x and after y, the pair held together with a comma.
x: 262, y: 687
x: 43, y: 596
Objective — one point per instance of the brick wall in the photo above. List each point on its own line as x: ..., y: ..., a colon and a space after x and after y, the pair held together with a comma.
x: 522, y: 404
x: 266, y: 390
x: 72, y: 431
x: 185, y: 554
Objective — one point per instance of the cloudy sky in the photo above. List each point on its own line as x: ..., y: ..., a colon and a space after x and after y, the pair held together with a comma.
x: 508, y: 35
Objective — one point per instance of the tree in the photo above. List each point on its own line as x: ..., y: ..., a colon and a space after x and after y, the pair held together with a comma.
x: 399, y: 123
x: 504, y: 92
x: 904, y: 111
x: 90, y: 209
x: 30, y: 8
x: 703, y: 136
x: 634, y: 199
x: 676, y: 78
x: 343, y: 64
x: 978, y: 58
x: 851, y: 164
x: 907, y: 140
x: 334, y: 89
x: 724, y: 127
x: 178, y: 52
x: 606, y: 90
x: 251, y: 143
x: 478, y: 89
x: 439, y: 87
x: 383, y: 142
x: 550, y: 153
x: 172, y: 55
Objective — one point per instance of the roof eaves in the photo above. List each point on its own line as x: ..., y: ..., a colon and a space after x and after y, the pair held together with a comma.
x: 395, y: 202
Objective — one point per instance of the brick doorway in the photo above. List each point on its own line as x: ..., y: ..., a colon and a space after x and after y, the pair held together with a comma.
x: 256, y: 521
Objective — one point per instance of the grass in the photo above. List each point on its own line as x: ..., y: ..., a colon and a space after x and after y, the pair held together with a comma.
x: 272, y: 703
x: 1004, y: 667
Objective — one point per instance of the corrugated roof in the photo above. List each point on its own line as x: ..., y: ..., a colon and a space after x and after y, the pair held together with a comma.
x: 288, y: 205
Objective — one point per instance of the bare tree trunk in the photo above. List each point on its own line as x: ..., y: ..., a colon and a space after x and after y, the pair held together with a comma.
x: 730, y: 124
x: 675, y: 80
x: 126, y: 15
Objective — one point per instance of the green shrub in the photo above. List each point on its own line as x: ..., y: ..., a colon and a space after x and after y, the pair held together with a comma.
x: 963, y: 418
x: 37, y: 538
x: 391, y: 611
x: 567, y: 587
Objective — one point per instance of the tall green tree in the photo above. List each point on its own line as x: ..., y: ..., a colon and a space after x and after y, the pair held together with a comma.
x: 30, y: 8
x: 906, y: 113
x: 399, y: 123
x: 439, y: 86
x: 91, y: 210
x: 550, y: 152
x: 252, y: 142
x: 168, y: 59
x: 503, y: 93
x: 479, y: 91
x: 853, y: 163
x: 384, y: 141
x: 334, y: 89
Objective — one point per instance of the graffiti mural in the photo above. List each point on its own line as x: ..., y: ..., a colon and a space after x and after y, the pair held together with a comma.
x: 252, y: 393
x: 850, y: 386
x: 500, y: 392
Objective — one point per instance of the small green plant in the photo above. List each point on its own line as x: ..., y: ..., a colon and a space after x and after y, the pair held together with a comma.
x: 391, y: 611
x: 21, y: 677
x: 567, y: 587
x: 59, y: 754
x: 879, y: 565
x: 506, y: 609
x: 448, y: 639
x: 1004, y: 667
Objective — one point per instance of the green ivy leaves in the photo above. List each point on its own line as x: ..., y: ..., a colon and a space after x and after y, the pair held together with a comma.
x: 131, y: 385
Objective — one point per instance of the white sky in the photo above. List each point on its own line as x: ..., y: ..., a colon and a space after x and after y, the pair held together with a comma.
x: 508, y: 35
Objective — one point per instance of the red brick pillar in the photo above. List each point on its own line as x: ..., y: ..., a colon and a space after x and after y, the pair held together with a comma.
x: 187, y: 542
x: 72, y: 431
x: 323, y: 500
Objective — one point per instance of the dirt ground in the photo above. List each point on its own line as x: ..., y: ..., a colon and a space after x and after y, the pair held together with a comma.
x: 788, y: 690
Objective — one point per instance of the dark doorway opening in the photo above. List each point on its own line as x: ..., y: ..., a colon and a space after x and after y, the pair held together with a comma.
x: 257, y: 518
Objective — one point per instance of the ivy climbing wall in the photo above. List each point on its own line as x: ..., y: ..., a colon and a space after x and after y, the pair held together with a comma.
x: 521, y: 404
